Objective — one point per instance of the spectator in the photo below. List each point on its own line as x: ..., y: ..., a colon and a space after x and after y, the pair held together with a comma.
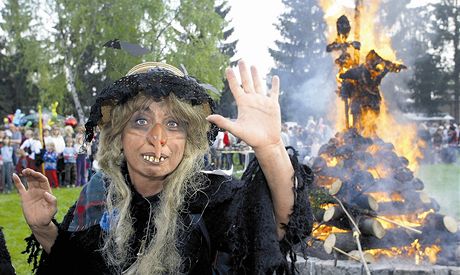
x: 70, y: 162
x: 82, y: 155
x: 285, y: 135
x: 50, y: 158
x: 216, y: 150
x: 32, y: 146
x: 8, y: 158
x: 16, y: 139
x: 23, y: 163
x: 59, y: 144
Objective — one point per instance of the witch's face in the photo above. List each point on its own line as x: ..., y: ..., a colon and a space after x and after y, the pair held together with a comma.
x: 153, y: 143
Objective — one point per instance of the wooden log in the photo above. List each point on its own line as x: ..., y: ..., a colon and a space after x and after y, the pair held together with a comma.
x: 403, y: 175
x: 396, y: 237
x: 335, y: 187
x: 366, y: 202
x: 367, y: 256
x: 371, y: 227
x: 333, y: 213
x: 411, y: 196
x: 343, y: 241
x: 403, y: 208
x: 385, y: 184
x: 441, y: 222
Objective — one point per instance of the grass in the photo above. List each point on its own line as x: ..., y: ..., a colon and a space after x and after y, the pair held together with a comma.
x: 16, y: 229
x: 442, y: 182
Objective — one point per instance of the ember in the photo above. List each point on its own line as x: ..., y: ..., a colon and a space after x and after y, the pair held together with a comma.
x: 373, y: 202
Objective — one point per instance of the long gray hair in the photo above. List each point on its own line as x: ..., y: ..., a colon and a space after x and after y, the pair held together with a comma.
x: 162, y: 254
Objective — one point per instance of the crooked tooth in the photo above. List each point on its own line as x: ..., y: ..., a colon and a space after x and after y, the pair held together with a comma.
x: 151, y: 158
x: 162, y: 158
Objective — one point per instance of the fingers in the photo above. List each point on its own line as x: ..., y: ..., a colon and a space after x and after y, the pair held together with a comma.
x: 256, y: 79
x: 222, y: 122
x: 36, y: 179
x: 18, y: 184
x: 275, y: 90
x: 50, y: 198
x: 246, y: 81
x: 235, y: 88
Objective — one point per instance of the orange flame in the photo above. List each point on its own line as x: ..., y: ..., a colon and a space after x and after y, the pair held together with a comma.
x: 415, y: 250
x: 404, y: 137
x: 412, y: 220
x: 323, y: 231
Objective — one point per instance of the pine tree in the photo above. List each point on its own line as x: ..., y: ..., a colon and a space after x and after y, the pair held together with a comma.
x: 300, y: 57
x: 226, y: 104
x: 18, y: 52
x: 447, y: 40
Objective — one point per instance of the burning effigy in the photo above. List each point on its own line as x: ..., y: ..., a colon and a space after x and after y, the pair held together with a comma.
x: 370, y: 206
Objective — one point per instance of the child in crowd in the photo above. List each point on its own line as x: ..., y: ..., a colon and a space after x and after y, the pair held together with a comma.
x: 23, y: 163
x: 81, y: 158
x: 70, y: 162
x: 2, y: 136
x: 8, y: 157
x: 50, y: 157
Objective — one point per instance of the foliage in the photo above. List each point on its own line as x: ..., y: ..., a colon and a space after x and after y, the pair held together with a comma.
x: 62, y: 56
x: 18, y: 49
x: 227, y: 105
x: 428, y: 84
x: 425, y: 37
x: 198, y: 34
x: 300, y: 54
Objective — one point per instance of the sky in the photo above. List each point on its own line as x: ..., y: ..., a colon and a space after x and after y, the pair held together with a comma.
x: 253, y: 22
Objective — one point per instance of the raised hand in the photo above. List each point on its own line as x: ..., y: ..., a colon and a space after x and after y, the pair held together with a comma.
x: 259, y: 117
x: 38, y: 204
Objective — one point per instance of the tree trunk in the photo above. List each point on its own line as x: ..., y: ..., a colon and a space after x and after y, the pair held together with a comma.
x: 70, y: 79
x: 456, y: 72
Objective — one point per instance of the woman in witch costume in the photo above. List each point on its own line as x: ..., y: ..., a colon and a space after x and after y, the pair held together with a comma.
x: 151, y: 210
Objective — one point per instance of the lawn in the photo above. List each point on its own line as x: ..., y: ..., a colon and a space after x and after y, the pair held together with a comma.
x: 442, y: 182
x: 16, y: 229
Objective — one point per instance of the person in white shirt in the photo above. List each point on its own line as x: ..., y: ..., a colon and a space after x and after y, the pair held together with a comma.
x: 32, y: 146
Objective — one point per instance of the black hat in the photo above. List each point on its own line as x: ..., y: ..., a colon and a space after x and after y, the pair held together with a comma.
x: 153, y: 79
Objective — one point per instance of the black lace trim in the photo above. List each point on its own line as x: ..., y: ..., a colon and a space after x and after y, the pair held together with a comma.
x: 157, y: 83
x: 254, y: 247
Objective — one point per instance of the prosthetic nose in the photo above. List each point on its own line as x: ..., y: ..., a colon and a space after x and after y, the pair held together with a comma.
x: 158, y: 138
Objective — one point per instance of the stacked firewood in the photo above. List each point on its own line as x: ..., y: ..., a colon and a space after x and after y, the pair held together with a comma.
x: 371, y: 191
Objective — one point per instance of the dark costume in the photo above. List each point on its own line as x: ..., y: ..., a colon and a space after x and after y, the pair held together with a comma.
x: 231, y: 219
x: 5, y: 260
x: 238, y: 216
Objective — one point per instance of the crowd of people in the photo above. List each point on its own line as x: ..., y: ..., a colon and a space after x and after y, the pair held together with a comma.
x: 442, y: 141
x: 56, y: 153
x: 228, y: 150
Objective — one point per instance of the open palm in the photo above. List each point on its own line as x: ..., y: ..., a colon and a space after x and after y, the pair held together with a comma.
x: 259, y: 117
x: 38, y: 205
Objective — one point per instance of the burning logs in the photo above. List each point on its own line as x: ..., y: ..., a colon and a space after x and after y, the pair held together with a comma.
x: 441, y: 222
x: 343, y: 241
x: 367, y: 182
x: 371, y: 227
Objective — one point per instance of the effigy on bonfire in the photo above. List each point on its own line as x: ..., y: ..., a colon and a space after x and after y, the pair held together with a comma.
x: 368, y: 204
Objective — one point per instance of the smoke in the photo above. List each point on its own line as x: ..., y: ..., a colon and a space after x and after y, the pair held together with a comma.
x: 315, y: 93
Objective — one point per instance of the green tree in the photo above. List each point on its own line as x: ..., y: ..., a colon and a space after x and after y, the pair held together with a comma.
x: 446, y: 41
x: 226, y: 104
x: 18, y: 52
x: 300, y: 57
x: 196, y: 44
x: 428, y: 84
